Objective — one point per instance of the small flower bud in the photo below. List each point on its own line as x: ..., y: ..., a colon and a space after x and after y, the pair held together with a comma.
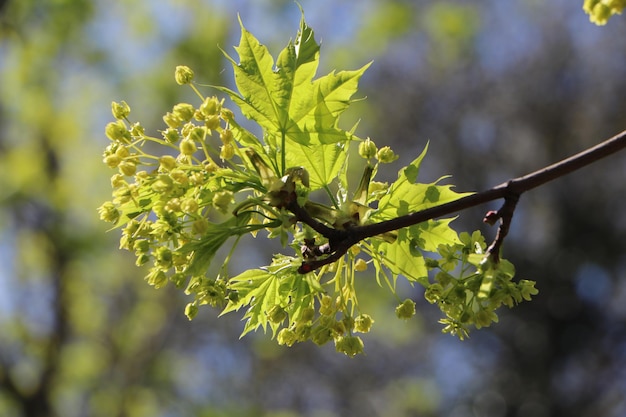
x: 108, y: 212
x: 227, y: 152
x: 227, y: 115
x: 112, y: 161
x: 172, y: 120
x: 367, y: 149
x: 307, y: 314
x: 117, y: 181
x: 120, y: 110
x: 196, y: 134
x: 141, y: 246
x: 183, y: 75
x: 188, y: 147
x: 172, y: 206
x: 167, y: 162
x: 128, y: 168
x: 179, y: 176
x: 184, y: 111
x: 142, y: 259
x: 363, y: 323
x: 277, y: 314
x: 212, y: 122
x: 286, y: 337
x: 385, y: 155
x: 163, y: 184
x: 350, y: 345
x: 189, y: 205
x: 136, y: 129
x: 210, y: 107
x: 117, y: 131
x: 406, y: 310
x: 164, y: 257
x: 191, y: 310
x: 321, y: 335
x: 171, y: 135
x: 178, y: 279
x: 222, y: 199
x: 156, y: 277
x: 433, y: 293
x: 226, y: 136
x: 360, y: 265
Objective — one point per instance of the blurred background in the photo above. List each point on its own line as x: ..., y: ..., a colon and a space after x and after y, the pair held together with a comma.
x: 498, y: 87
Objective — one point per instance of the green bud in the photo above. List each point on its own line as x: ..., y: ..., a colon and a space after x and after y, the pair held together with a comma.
x: 189, y: 205
x: 108, y: 212
x: 433, y: 293
x: 406, y: 310
x: 173, y: 206
x: 184, y: 111
x: 277, y: 314
x: 191, y: 310
x: 179, y: 176
x: 210, y: 107
x: 307, y: 314
x: 172, y: 120
x: 118, y: 180
x: 227, y: 152
x: 431, y: 263
x: 171, y: 135
x: 222, y: 199
x: 196, y: 134
x: 286, y: 337
x: 128, y: 168
x: 350, y: 345
x: 183, y: 75
x: 226, y: 136
x: 120, y: 110
x: 178, y: 279
x: 360, y: 265
x: 142, y: 259
x: 320, y: 335
x: 212, y: 122
x: 163, y: 184
x: 141, y: 246
x: 137, y: 130
x: 157, y: 278
x: 385, y: 155
x: 167, y: 163
x: 112, y: 161
x: 117, y: 131
x: 363, y: 323
x: 188, y: 147
x: 367, y: 149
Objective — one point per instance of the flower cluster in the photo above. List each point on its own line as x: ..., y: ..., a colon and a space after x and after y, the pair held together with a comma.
x: 600, y: 11
x: 482, y: 287
x: 163, y: 202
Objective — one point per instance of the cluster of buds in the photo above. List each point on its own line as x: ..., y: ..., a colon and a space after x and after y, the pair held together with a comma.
x: 165, y: 201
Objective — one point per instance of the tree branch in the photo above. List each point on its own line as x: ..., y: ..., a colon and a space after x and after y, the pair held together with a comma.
x: 341, y: 240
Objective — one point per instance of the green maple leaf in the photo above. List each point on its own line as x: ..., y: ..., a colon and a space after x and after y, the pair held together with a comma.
x: 262, y: 289
x: 298, y: 115
x: 401, y: 257
x: 404, y: 196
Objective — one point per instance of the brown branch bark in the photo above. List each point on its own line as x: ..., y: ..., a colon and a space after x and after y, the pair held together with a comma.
x: 342, y: 240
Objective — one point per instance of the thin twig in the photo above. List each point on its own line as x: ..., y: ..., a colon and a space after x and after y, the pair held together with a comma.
x: 341, y: 240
